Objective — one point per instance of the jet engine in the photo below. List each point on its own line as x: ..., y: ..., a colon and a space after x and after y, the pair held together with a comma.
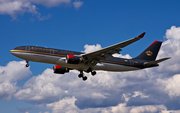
x: 60, y: 70
x: 72, y: 59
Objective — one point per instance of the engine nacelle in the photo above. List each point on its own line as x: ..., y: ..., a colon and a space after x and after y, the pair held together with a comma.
x: 60, y: 70
x: 72, y: 59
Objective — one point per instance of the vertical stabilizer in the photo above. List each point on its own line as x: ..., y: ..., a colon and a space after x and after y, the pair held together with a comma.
x: 151, y: 52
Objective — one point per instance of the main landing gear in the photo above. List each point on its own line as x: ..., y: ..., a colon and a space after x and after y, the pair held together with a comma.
x: 81, y: 75
x: 92, y: 72
x: 27, y: 64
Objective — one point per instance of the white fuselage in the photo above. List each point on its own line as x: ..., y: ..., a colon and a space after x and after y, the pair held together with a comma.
x: 58, y: 60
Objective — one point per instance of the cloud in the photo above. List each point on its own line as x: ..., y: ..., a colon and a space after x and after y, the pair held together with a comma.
x: 14, y: 71
x: 43, y: 17
x: 94, y: 93
x: 19, y: 7
x: 170, y: 48
x: 13, y: 8
x: 51, y: 3
x: 148, y: 109
x: 41, y: 89
x: 77, y: 4
x: 7, y: 89
x: 172, y: 85
x: 66, y: 104
x: 9, y: 75
x: 91, y: 48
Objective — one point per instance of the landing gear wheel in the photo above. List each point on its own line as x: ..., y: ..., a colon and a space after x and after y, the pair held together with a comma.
x: 80, y: 75
x: 93, y: 73
x: 27, y: 65
x: 84, y: 78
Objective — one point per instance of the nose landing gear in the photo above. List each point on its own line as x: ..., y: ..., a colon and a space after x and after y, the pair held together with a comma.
x: 27, y: 64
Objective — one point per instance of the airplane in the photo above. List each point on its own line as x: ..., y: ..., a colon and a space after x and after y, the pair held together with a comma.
x: 102, y: 59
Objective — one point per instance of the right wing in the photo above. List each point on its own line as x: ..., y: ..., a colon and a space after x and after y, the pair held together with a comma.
x: 108, y: 51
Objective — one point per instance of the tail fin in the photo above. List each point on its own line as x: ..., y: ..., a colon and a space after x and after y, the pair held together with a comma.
x: 151, y: 52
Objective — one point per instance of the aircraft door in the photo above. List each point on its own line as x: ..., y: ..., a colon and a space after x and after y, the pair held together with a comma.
x: 131, y: 62
x: 52, y: 51
x: 27, y: 48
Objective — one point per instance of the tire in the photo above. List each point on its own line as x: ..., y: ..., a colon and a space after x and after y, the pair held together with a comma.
x: 27, y: 65
x: 93, y: 73
x: 80, y: 75
x: 85, y: 78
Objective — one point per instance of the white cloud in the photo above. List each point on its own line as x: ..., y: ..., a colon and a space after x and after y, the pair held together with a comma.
x: 19, y: 7
x: 9, y: 75
x: 122, y: 56
x: 51, y: 3
x: 41, y: 88
x: 77, y: 4
x: 46, y: 112
x: 137, y: 93
x: 65, y: 105
x: 173, y: 33
x: 7, y: 89
x: 13, y: 8
x: 91, y: 48
x: 14, y: 71
x: 148, y: 109
x: 170, y: 48
x: 172, y: 85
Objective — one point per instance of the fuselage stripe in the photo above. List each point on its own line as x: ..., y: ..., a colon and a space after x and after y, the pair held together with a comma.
x: 37, y: 52
x: 64, y: 55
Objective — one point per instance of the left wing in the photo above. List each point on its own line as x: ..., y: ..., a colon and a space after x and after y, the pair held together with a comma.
x: 96, y: 56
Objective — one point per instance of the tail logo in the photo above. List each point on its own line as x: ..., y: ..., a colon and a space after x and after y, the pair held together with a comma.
x: 149, y: 53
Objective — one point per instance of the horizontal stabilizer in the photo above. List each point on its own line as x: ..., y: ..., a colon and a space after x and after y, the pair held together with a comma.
x: 155, y: 62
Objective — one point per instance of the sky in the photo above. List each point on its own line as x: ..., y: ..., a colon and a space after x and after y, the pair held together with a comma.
x: 80, y: 25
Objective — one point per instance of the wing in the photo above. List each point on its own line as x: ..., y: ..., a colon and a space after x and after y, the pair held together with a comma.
x: 98, y: 55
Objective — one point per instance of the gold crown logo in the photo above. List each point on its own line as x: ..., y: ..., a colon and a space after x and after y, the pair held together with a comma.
x: 149, y: 53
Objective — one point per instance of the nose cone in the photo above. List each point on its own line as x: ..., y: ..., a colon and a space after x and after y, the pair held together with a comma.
x: 13, y: 52
x: 16, y: 53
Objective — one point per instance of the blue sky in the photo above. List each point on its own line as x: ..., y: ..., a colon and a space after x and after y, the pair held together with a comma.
x: 70, y: 25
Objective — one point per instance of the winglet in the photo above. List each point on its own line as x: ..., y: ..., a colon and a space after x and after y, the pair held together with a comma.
x: 142, y: 35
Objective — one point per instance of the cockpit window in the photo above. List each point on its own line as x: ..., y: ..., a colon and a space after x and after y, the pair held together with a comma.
x: 20, y: 48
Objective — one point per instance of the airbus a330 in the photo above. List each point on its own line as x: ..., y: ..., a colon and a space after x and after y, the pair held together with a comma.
x: 64, y: 60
